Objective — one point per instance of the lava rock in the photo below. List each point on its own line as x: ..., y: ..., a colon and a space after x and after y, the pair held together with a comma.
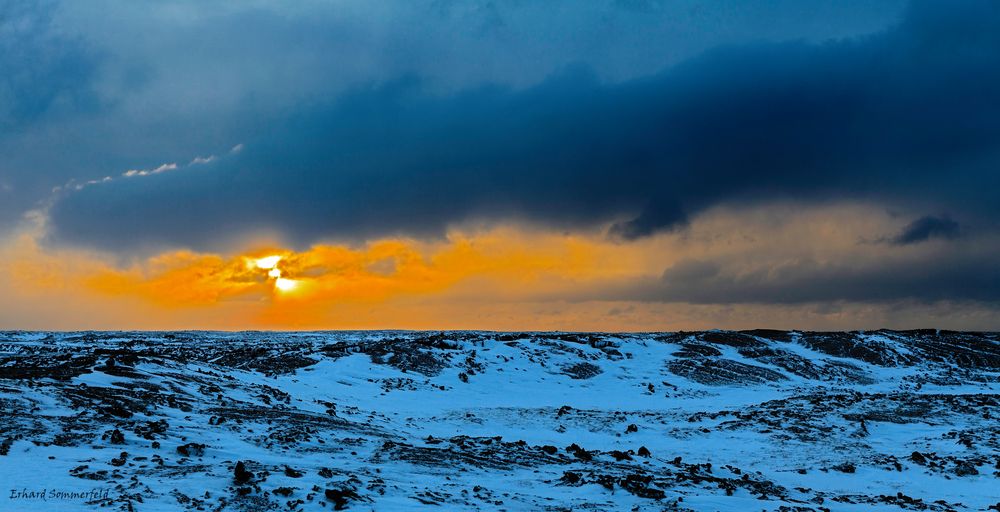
x: 191, y: 449
x: 846, y: 467
x: 340, y: 497
x: 117, y: 437
x: 240, y: 473
x: 965, y: 468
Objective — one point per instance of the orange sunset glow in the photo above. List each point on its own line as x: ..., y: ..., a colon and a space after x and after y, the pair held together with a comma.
x: 497, y: 278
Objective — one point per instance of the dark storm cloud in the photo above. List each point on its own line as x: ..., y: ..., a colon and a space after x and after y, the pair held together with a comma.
x: 973, y: 275
x: 952, y: 277
x: 91, y: 89
x: 926, y: 228
x: 44, y: 72
x: 908, y: 116
x: 45, y: 76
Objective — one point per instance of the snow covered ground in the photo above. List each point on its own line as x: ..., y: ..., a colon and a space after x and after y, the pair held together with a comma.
x: 717, y: 420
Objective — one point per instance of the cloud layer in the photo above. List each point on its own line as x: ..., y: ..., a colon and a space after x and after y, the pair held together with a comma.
x: 909, y: 116
x: 927, y: 228
x: 783, y: 265
x: 92, y: 90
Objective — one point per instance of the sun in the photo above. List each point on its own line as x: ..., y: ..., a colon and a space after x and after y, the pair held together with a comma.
x: 268, y: 262
x: 284, y: 284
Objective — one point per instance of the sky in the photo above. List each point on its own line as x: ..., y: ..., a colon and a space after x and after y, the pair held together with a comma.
x: 630, y: 165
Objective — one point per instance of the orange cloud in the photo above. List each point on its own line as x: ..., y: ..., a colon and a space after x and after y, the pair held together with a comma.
x: 181, y: 279
x: 324, y: 286
x: 509, y: 277
x: 503, y: 259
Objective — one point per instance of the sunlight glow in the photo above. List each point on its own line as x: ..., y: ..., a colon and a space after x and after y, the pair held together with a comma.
x: 274, y: 272
x: 268, y: 263
x: 285, y: 284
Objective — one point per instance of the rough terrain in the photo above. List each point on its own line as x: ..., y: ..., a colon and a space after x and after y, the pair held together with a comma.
x: 716, y: 420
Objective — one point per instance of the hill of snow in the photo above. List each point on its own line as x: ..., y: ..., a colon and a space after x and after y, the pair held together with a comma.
x: 715, y: 420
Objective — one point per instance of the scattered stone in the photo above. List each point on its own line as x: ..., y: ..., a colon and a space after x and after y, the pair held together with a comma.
x: 620, y: 455
x: 579, y: 452
x: 570, y: 478
x: 5, y: 445
x: 152, y: 428
x: 965, y: 468
x: 117, y: 437
x: 240, y: 473
x: 846, y: 467
x: 582, y: 371
x: 340, y: 497
x: 191, y: 450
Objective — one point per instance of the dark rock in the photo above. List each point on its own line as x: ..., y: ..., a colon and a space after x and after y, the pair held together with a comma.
x: 639, y: 485
x: 620, y: 455
x: 770, y: 334
x: 240, y: 473
x: 846, y: 467
x: 191, y: 450
x: 697, y: 350
x: 732, y: 339
x: 582, y: 370
x: 606, y: 481
x: 853, y: 345
x: 579, y: 452
x: 570, y: 478
x: 965, y: 468
x: 721, y: 372
x: 5, y: 445
x: 151, y: 429
x: 340, y: 497
x: 117, y: 437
